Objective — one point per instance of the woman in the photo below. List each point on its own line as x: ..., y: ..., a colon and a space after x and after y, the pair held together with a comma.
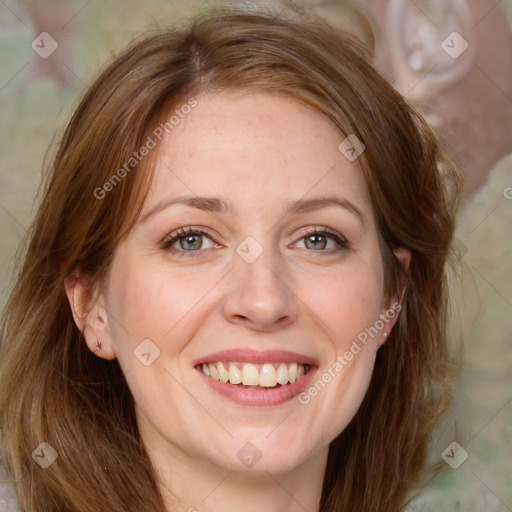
x: 234, y: 291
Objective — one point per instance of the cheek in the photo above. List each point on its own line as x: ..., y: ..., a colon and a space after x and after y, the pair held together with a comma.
x: 335, y: 403
x: 151, y: 301
x: 348, y: 304
x: 346, y: 301
x: 154, y: 303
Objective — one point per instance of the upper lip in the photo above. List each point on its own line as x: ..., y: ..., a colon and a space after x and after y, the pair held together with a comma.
x: 248, y: 355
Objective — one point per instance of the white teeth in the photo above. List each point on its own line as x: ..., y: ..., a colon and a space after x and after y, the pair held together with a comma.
x: 268, y: 376
x: 223, y: 373
x: 282, y: 374
x: 235, y: 376
x: 292, y: 372
x: 213, y: 371
x: 250, y: 375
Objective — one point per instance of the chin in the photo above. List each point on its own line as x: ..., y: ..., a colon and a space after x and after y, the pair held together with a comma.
x: 260, y: 455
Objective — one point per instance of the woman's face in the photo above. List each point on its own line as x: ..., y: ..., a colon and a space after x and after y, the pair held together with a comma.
x: 256, y: 258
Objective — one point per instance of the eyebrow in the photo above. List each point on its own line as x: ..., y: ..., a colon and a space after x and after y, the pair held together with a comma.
x: 218, y: 205
x: 316, y: 203
x: 205, y: 203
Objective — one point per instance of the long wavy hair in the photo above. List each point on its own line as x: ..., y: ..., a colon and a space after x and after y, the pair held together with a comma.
x: 54, y: 390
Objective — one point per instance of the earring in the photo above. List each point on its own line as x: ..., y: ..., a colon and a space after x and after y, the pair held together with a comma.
x: 385, y: 335
x: 98, y: 346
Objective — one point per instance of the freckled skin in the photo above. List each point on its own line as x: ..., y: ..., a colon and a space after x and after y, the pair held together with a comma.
x: 260, y: 152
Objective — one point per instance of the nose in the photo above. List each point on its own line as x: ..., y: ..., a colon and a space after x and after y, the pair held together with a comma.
x: 259, y: 297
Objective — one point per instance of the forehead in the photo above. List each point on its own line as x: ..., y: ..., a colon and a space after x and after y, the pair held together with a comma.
x: 255, y: 149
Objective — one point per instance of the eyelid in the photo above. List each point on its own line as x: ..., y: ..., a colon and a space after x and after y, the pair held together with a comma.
x: 172, y: 237
x: 340, y: 239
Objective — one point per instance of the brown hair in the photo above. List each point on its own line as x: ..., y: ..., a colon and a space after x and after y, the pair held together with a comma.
x: 54, y: 390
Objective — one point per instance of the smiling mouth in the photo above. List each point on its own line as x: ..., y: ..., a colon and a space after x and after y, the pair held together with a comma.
x: 255, y: 376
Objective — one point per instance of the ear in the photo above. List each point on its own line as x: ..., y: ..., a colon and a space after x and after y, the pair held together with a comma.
x: 90, y: 315
x: 391, y: 309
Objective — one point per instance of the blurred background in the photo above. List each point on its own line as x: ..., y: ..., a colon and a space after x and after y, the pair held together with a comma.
x: 451, y: 58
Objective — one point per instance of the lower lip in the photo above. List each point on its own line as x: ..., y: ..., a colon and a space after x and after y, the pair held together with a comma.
x: 256, y: 397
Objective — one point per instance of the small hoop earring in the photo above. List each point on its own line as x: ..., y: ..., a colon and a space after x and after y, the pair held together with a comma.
x: 98, y: 346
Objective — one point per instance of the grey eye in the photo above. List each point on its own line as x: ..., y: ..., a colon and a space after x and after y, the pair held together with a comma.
x: 190, y: 241
x: 318, y: 241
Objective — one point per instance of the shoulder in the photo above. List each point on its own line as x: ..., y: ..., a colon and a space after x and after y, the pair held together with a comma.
x: 8, y: 496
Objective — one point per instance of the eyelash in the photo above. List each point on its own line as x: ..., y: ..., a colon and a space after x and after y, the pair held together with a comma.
x: 181, y: 233
x: 169, y: 240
